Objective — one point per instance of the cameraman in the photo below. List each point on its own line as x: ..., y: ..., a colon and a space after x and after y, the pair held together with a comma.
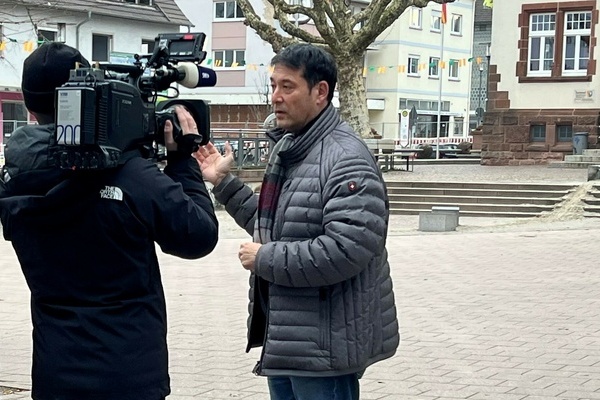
x: 86, y: 245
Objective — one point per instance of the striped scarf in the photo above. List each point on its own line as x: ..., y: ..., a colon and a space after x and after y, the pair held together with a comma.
x: 270, y: 190
x: 293, y: 149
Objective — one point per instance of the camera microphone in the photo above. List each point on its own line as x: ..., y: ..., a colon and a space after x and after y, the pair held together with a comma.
x: 192, y: 76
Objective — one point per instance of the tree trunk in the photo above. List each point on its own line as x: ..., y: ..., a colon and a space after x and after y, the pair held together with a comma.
x: 352, y: 94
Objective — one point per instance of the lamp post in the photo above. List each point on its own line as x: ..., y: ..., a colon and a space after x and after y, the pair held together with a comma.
x: 479, y: 109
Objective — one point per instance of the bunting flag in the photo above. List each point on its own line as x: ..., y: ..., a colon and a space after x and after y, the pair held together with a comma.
x: 444, y: 13
x: 28, y: 46
x: 488, y: 3
x: 378, y: 69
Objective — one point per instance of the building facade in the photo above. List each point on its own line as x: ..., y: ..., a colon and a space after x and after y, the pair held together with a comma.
x: 417, y: 62
x: 108, y: 30
x: 543, y: 81
x: 404, y: 67
x: 482, y: 41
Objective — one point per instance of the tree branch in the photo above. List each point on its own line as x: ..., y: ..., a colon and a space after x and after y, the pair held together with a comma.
x: 383, y: 13
x: 266, y: 32
x: 283, y: 10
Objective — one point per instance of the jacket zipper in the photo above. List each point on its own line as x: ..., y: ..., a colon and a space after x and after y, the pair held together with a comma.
x: 257, y: 370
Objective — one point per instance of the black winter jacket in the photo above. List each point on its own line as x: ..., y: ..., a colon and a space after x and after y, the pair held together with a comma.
x: 330, y: 303
x: 86, y: 245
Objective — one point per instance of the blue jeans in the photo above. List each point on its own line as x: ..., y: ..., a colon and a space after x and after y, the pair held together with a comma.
x: 343, y: 387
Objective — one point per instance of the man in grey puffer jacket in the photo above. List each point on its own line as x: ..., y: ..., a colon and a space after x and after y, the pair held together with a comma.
x: 322, y: 305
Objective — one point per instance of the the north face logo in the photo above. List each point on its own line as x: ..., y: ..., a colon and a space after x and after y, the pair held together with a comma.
x: 111, y: 192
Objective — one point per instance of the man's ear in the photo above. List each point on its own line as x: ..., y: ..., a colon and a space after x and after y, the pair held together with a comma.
x: 322, y: 92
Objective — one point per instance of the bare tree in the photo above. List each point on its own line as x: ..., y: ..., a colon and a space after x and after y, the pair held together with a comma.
x: 344, y: 34
x: 263, y: 88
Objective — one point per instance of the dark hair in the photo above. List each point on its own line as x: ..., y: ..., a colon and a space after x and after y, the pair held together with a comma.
x: 316, y: 64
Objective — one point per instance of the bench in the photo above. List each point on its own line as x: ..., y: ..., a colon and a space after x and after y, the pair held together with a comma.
x: 387, y: 160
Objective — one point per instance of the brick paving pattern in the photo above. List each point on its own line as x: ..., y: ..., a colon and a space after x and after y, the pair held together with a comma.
x: 501, y: 309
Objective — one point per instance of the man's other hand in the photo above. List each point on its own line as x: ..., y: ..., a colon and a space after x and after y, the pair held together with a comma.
x: 213, y: 165
x: 247, y: 255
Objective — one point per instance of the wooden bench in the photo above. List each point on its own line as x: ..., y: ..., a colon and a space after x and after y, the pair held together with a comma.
x: 387, y: 160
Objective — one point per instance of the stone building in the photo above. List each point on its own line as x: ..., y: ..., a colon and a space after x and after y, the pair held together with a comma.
x: 543, y: 81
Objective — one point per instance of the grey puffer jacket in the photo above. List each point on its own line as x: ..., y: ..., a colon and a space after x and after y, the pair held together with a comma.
x: 325, y: 278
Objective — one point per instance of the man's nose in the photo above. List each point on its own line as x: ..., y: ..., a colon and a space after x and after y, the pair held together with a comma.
x: 276, y: 97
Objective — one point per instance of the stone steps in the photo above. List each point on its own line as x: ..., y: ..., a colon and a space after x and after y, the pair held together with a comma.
x: 478, y: 199
x: 472, y: 200
x: 477, y: 192
x: 584, y: 160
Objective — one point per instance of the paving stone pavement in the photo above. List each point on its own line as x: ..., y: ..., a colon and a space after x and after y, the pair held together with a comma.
x: 501, y: 309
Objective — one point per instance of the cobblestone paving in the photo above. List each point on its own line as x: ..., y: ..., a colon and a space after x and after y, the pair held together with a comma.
x: 501, y: 309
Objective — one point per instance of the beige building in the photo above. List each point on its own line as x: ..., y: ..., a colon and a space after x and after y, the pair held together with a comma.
x: 410, y: 51
x: 417, y: 61
x: 544, y: 87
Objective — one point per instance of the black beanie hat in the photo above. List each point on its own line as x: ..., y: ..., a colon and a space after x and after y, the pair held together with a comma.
x: 45, y: 69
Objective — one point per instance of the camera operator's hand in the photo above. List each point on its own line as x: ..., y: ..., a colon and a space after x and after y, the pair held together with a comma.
x: 188, y: 127
x: 214, y: 166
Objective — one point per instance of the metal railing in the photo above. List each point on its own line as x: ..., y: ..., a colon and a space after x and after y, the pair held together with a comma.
x: 250, y: 146
x: 253, y: 143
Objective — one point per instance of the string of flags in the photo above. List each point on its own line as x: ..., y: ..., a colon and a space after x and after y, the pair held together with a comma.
x: 31, y: 45
x: 380, y: 69
x: 28, y: 45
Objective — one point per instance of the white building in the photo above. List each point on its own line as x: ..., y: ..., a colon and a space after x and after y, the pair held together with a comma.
x: 417, y: 61
x: 103, y: 30
x: 406, y: 49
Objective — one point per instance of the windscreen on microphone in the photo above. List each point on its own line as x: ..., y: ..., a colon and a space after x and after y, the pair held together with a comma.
x: 196, y: 76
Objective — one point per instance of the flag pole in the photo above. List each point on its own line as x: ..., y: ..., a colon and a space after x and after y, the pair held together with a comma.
x: 443, y: 21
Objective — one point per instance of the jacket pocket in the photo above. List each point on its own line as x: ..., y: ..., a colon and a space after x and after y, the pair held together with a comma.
x: 324, y: 319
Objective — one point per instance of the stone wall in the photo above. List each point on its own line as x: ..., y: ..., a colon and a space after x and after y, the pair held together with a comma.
x: 506, y: 131
x: 238, y: 116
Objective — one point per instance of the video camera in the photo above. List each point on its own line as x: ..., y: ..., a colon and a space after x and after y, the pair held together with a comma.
x: 110, y: 109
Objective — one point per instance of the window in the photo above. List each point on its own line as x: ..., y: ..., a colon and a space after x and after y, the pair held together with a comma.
x: 14, y: 111
x: 228, y: 10
x: 101, y: 47
x: 413, y: 65
x: 578, y: 30
x: 458, y: 126
x: 436, y: 21
x: 559, y: 45
x: 147, y: 46
x: 537, y: 133
x: 564, y: 133
x: 453, y: 69
x: 456, y: 27
x: 45, y: 36
x: 541, y: 44
x: 434, y: 67
x: 416, y: 16
x: 229, y: 58
x: 15, y: 115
